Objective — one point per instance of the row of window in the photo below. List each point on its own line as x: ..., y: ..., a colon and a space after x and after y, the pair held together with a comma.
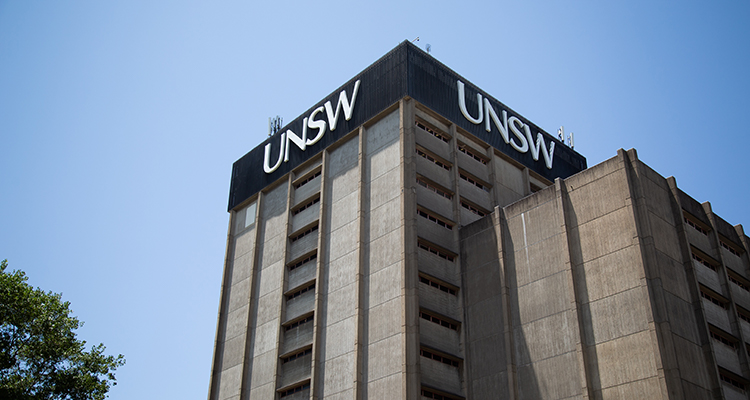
x: 307, y: 180
x: 422, y: 182
x: 294, y: 390
x: 432, y: 131
x: 306, y: 206
x: 704, y: 262
x: 438, y: 320
x: 729, y: 249
x: 473, y: 209
x: 734, y: 382
x: 438, y: 285
x: 434, y: 219
x: 298, y: 323
x: 437, y: 357
x: 295, y: 356
x: 695, y: 226
x: 470, y: 152
x: 303, y: 261
x: 305, y: 233
x: 724, y: 340
x: 739, y: 283
x: 714, y: 299
x: 299, y: 292
x: 474, y: 182
x: 435, y: 251
x: 432, y: 159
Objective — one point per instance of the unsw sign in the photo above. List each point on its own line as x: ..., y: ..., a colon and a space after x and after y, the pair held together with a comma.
x: 522, y: 140
x: 406, y: 71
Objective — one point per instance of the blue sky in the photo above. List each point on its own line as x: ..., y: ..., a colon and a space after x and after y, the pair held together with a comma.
x: 120, y: 121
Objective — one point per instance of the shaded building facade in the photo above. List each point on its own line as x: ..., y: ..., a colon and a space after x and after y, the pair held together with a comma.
x: 412, y: 237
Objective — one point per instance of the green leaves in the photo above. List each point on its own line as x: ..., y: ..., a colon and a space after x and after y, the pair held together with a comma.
x: 40, y: 355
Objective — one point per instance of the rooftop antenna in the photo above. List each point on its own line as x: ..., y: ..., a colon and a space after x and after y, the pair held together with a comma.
x: 274, y: 125
x: 428, y: 47
x: 561, y: 134
x: 570, y: 140
x: 415, y: 40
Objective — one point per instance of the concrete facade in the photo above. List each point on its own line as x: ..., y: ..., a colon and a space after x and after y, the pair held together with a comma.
x: 410, y: 259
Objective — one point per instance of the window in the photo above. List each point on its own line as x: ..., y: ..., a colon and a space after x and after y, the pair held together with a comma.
x: 433, y: 188
x: 433, y: 159
x: 443, y: 287
x: 724, y: 340
x: 438, y: 320
x: 432, y: 131
x: 306, y: 206
x: 295, y: 356
x: 300, y: 292
x: 437, y: 357
x: 472, y: 208
x: 303, y: 261
x: 303, y: 234
x: 298, y: 323
x: 295, y: 389
x: 473, y: 181
x: 471, y: 153
x: 436, y: 220
x: 704, y: 262
x: 738, y: 282
x: 245, y: 217
x: 435, y: 251
x: 250, y: 214
x: 732, y: 381
x: 729, y: 248
x: 695, y: 226
x: 745, y: 316
x: 306, y: 180
x: 714, y: 299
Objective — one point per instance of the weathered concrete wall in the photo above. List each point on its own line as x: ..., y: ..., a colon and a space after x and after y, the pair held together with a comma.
x: 383, y: 262
x: 338, y: 289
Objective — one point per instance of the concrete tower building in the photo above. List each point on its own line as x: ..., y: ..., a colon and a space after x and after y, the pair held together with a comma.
x: 411, y: 237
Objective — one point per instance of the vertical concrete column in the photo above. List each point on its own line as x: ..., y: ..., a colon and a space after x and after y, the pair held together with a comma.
x: 221, y: 319
x: 573, y: 297
x: 500, y: 224
x: 252, y: 302
x: 315, y: 373
x: 490, y: 153
x: 265, y: 292
x: 526, y: 182
x: 658, y: 322
x: 410, y: 272
x: 360, y: 289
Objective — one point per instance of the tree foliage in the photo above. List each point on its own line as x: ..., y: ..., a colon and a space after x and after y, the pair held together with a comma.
x: 40, y: 356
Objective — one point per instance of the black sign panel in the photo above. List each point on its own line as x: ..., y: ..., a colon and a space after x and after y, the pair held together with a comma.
x: 406, y: 70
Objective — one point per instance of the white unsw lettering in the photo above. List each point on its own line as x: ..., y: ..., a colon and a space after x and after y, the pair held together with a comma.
x: 311, y: 123
x: 521, y: 142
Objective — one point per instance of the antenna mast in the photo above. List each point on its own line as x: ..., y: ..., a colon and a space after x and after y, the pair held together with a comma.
x: 274, y: 125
